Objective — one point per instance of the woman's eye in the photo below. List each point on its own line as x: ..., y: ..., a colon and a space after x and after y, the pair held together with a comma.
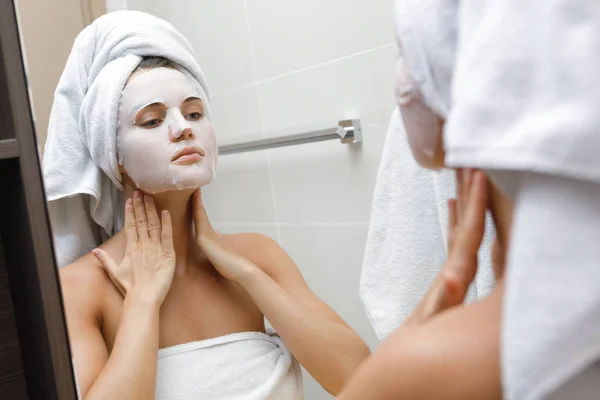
x: 152, y: 123
x: 195, y: 116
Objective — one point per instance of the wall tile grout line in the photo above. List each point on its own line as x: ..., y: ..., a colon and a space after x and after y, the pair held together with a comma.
x: 304, y: 69
x: 262, y: 120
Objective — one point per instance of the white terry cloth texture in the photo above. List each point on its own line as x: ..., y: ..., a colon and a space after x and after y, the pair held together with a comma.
x: 407, y: 241
x: 239, y: 366
x: 551, y: 317
x: 525, y: 89
x: 81, y: 175
x: 408, y: 236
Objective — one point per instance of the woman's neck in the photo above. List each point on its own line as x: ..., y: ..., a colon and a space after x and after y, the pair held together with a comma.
x: 179, y: 205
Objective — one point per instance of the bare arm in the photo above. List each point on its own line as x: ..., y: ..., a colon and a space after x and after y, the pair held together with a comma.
x: 143, y: 278
x: 321, y: 341
x: 454, y: 355
x: 444, y: 350
x: 130, y: 370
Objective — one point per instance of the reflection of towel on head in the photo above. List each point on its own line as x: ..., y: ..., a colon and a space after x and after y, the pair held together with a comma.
x: 81, y: 174
x: 525, y: 98
x: 407, y: 238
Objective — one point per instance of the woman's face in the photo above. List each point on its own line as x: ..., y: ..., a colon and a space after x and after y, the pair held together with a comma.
x: 164, y: 140
x: 424, y: 127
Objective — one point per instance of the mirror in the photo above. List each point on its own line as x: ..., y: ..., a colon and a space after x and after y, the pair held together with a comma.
x: 254, y: 308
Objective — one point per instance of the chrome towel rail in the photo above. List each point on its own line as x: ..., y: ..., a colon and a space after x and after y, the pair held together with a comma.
x: 348, y: 131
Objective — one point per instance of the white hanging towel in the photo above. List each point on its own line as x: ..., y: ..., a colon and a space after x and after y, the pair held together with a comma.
x: 407, y: 241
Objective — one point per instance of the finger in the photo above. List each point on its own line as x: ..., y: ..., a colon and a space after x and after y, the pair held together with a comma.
x: 117, y: 285
x: 201, y: 221
x: 197, y: 211
x: 473, y: 226
x: 454, y: 289
x: 445, y: 292
x: 459, y: 191
x: 130, y: 229
x: 153, y: 221
x: 498, y: 259
x: 109, y: 266
x: 465, y: 190
x: 477, y: 202
x: 141, y: 222
x: 166, y: 234
x: 451, y: 222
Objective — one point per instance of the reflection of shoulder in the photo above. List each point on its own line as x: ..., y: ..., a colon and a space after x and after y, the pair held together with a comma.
x: 83, y: 284
x: 456, y: 352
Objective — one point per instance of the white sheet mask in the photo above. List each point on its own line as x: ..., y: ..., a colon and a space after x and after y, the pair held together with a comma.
x: 146, y: 152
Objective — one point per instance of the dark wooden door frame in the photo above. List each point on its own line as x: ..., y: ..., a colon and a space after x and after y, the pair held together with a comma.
x: 25, y: 232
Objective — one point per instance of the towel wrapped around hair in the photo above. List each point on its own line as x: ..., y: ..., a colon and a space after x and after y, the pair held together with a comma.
x: 80, y: 168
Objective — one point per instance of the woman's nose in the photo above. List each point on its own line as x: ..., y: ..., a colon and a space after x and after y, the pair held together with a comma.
x: 187, y: 133
x: 181, y: 133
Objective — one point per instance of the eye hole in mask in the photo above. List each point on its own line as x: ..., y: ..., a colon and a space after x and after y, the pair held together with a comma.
x: 424, y: 127
x: 153, y: 115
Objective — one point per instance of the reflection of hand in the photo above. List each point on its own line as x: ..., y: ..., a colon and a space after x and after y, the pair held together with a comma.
x: 466, y: 228
x: 498, y: 259
x: 223, y: 257
x: 149, y: 263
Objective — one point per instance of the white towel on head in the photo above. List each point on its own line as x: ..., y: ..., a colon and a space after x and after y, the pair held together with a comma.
x: 80, y: 166
x: 239, y: 366
x: 407, y: 240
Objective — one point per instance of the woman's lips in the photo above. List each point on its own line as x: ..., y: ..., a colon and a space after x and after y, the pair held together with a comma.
x: 188, y: 155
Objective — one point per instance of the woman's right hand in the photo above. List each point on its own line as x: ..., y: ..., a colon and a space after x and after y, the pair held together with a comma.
x: 147, y: 269
x: 466, y: 229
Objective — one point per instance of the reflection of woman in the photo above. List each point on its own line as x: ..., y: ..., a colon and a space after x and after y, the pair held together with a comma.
x: 141, y: 124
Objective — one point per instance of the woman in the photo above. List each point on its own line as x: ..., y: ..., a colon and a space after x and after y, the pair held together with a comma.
x: 518, y: 99
x: 455, y: 351
x: 154, y: 312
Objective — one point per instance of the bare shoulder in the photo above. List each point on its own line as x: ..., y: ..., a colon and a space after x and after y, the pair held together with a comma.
x: 83, y: 283
x: 262, y: 251
x: 460, y: 348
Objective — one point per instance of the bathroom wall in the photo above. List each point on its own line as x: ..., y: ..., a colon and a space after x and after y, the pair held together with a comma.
x: 278, y: 67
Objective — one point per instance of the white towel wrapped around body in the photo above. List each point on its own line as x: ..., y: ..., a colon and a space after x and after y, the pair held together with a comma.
x: 239, y: 366
x: 407, y: 240
x: 81, y: 175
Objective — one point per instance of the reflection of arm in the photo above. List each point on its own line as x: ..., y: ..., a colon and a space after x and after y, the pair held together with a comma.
x: 129, y: 372
x: 454, y: 355
x: 321, y: 341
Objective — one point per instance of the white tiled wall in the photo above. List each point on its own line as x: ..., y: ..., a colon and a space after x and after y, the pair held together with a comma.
x: 280, y: 66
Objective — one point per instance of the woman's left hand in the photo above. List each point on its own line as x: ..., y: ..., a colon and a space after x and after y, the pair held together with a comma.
x: 229, y: 263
